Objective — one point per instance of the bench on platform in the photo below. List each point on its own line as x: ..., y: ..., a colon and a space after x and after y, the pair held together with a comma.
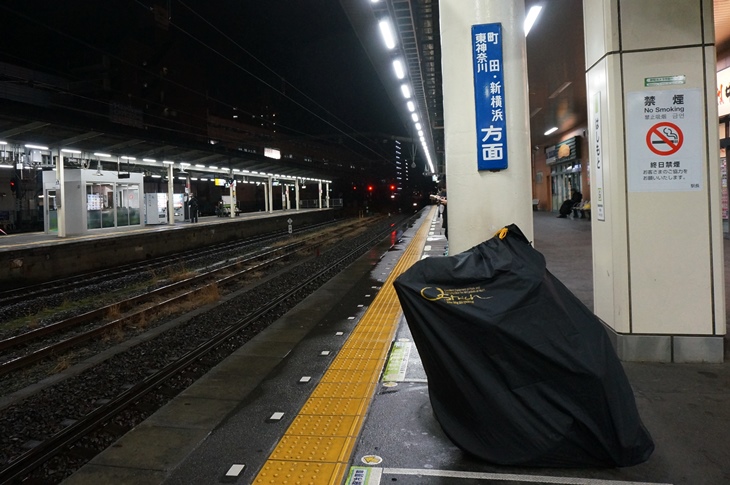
x: 582, y: 210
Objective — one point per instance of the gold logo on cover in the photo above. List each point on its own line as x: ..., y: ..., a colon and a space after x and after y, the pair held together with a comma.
x: 455, y: 296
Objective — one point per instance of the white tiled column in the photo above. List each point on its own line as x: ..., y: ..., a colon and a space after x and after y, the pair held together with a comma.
x: 655, y: 178
x: 482, y: 202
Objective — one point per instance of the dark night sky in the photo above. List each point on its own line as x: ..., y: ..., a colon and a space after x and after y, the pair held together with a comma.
x: 303, y: 49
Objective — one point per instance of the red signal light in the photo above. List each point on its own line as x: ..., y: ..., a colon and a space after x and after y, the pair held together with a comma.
x: 370, y: 188
x: 392, y: 187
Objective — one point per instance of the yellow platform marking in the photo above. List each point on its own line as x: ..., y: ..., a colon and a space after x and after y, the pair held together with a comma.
x: 316, y: 448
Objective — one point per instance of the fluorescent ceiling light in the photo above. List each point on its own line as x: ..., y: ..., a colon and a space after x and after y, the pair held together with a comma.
x: 414, y: 116
x: 99, y: 154
x: 387, y: 31
x: 124, y: 157
x: 155, y: 176
x: 3, y: 165
x: 168, y: 162
x: 531, y: 18
x: 411, y: 106
x: 405, y: 90
x: 3, y: 143
x: 151, y: 160
x: 68, y: 150
x: 200, y: 165
x: 398, y: 67
x: 213, y: 167
x: 37, y: 147
x: 551, y: 130
x: 418, y: 126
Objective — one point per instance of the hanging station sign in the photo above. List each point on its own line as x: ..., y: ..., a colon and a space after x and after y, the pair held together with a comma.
x: 491, y: 125
x: 564, y: 152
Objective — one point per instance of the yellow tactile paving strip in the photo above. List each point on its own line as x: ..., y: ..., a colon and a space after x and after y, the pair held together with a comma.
x: 316, y: 448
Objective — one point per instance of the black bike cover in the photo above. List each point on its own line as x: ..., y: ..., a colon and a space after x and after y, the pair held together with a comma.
x: 520, y: 372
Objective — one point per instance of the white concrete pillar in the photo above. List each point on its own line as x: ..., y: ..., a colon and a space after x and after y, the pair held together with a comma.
x: 319, y: 192
x: 482, y: 202
x: 296, y: 193
x: 327, y: 194
x: 266, y: 197
x: 232, y: 195
x: 60, y: 195
x: 270, y: 183
x: 170, y: 193
x: 658, y: 273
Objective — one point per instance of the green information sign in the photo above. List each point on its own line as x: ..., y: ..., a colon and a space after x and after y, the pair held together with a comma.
x: 395, y: 370
x: 664, y: 80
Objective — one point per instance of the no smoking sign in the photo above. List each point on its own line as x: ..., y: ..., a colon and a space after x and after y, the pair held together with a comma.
x: 664, y: 138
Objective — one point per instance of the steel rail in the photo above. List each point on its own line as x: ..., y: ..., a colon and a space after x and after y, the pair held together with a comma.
x: 24, y: 464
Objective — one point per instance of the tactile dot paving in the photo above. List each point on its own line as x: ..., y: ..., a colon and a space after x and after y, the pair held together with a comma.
x: 382, y: 337
x: 345, y: 406
x: 295, y: 473
x: 363, y: 345
x: 375, y: 353
x: 343, y: 389
x: 321, y: 425
x: 356, y: 364
x: 309, y: 448
x: 346, y: 375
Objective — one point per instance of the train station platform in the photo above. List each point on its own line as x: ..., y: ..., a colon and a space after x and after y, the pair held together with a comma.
x: 334, y: 393
x: 35, y: 257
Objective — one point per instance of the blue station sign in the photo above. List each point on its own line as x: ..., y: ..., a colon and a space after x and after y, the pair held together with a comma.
x: 491, y: 124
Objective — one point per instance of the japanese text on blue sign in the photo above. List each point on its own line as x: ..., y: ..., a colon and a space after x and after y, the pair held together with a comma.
x: 489, y: 96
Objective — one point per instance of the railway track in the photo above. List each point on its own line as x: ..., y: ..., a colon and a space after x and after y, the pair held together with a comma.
x: 145, y: 307
x: 16, y: 295
x: 137, y: 384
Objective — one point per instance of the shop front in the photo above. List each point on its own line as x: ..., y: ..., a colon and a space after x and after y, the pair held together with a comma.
x: 566, y: 170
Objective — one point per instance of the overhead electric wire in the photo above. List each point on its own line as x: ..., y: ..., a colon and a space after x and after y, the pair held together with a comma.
x: 192, y: 129
x: 227, y: 37
x: 269, y: 85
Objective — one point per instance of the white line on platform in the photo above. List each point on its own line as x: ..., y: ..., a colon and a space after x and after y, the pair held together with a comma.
x: 235, y: 470
x: 510, y: 477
